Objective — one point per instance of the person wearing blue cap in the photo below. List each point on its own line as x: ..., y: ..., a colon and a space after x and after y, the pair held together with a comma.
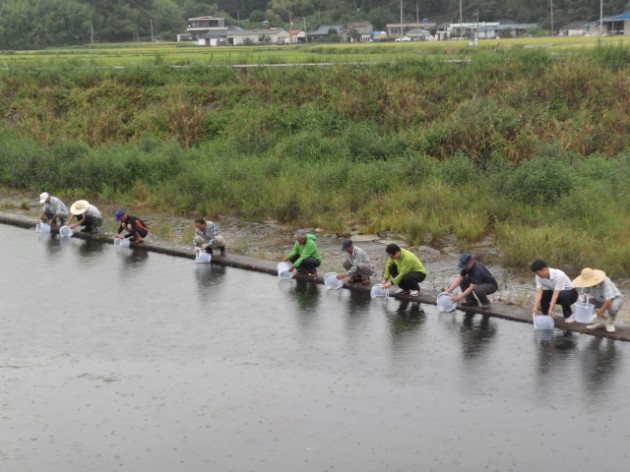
x: 358, y: 265
x: 475, y: 281
x: 136, y: 229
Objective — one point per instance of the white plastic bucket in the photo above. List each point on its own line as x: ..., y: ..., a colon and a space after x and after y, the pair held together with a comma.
x: 42, y: 227
x: 543, y: 322
x: 379, y: 292
x: 65, y: 231
x: 332, y: 282
x: 202, y: 257
x: 584, y: 312
x: 283, y: 271
x: 121, y: 242
x: 445, y: 302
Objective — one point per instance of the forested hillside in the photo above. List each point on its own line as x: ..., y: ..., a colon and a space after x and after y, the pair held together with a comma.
x: 33, y: 24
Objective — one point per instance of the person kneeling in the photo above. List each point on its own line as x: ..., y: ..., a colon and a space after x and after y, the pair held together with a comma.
x: 405, y: 269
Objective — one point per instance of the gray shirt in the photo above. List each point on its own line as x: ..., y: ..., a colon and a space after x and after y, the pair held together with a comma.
x: 605, y: 290
x: 56, y: 207
x: 356, y: 257
x: 208, y: 234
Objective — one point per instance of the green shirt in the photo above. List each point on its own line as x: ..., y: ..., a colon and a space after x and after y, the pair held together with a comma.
x: 308, y: 249
x: 408, y: 262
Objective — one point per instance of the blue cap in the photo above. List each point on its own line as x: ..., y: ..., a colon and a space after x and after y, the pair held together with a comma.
x: 346, y: 244
x: 119, y: 214
x: 463, y: 260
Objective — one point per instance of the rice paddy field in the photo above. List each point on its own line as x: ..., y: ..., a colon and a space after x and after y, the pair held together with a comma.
x: 187, y: 54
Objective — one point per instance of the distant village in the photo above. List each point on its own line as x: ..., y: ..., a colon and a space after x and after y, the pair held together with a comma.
x: 212, y: 31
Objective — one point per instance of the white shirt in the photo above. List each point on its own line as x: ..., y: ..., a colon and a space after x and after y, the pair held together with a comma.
x: 557, y: 280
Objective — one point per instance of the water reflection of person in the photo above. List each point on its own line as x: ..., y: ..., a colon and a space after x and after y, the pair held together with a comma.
x: 599, y: 364
x: 306, y: 294
x: 476, y: 336
x: 208, y: 275
x: 552, y: 349
x: 405, y: 320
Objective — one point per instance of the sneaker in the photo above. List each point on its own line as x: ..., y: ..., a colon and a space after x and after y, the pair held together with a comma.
x: 485, y: 306
x: 596, y: 325
x: 414, y: 293
x: 468, y: 303
x: 610, y: 326
x: 400, y: 291
x: 570, y: 319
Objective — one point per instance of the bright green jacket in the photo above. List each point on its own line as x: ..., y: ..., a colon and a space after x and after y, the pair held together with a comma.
x: 408, y: 262
x: 308, y: 249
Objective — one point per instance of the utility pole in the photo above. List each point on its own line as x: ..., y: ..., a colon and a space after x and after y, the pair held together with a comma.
x: 401, y: 18
x: 461, y: 20
x: 551, y: 6
x: 305, y: 33
x: 152, y: 40
x: 92, y: 34
x: 601, y: 17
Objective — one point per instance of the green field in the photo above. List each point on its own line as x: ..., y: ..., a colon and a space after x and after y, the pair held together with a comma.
x: 186, y: 54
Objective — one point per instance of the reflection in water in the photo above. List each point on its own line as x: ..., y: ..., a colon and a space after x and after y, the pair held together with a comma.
x: 208, y: 275
x: 404, y: 321
x: 553, y: 349
x: 599, y: 364
x: 90, y: 247
x: 357, y: 306
x: 306, y: 295
x: 357, y: 302
x: 475, y: 337
x: 132, y: 256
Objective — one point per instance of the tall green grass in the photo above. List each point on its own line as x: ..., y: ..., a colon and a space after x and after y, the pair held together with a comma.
x: 523, y: 145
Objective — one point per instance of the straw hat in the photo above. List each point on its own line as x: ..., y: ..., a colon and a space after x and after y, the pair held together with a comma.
x: 589, y: 278
x: 79, y: 207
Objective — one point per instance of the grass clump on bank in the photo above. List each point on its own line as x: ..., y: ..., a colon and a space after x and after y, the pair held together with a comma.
x: 522, y: 145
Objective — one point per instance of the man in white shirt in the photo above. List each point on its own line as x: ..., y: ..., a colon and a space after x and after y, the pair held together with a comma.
x: 53, y: 209
x: 553, y: 287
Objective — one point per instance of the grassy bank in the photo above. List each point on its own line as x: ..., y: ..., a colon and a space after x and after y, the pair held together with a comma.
x: 521, y: 144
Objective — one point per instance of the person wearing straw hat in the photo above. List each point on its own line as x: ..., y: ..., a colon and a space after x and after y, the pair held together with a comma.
x: 553, y: 287
x: 603, y: 294
x: 135, y: 227
x: 53, y: 209
x: 87, y: 215
x: 475, y: 281
x: 358, y: 265
x: 304, y: 255
x: 405, y: 269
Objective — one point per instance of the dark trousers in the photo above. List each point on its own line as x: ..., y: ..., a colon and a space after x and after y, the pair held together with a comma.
x: 481, y: 291
x: 410, y: 281
x: 566, y: 298
x: 310, y: 264
x: 50, y: 215
x: 90, y: 224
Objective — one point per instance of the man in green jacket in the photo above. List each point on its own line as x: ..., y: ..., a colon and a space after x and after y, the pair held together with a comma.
x: 304, y: 256
x: 405, y: 269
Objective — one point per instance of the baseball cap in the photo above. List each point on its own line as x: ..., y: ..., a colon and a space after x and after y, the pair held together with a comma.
x: 464, y: 259
x: 43, y: 197
x: 119, y: 214
x: 346, y: 244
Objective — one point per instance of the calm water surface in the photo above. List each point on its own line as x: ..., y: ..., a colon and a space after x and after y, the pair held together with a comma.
x: 114, y: 359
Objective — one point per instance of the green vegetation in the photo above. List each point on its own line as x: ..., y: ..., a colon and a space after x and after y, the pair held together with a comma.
x: 524, y: 144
